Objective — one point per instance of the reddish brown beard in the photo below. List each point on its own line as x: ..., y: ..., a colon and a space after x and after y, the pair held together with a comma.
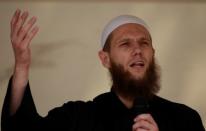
x: 127, y: 86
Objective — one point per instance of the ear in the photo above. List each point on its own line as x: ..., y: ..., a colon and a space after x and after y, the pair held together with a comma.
x: 104, y: 57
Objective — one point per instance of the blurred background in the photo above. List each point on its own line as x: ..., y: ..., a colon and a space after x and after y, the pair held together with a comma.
x: 65, y: 65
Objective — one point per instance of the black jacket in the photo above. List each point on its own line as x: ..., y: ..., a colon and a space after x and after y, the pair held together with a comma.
x: 104, y: 113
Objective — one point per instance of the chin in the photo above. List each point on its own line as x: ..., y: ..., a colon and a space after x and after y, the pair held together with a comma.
x: 138, y: 76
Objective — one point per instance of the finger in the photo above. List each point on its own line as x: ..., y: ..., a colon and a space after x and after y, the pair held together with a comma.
x: 24, y: 17
x: 142, y: 130
x: 14, y: 19
x: 16, y: 27
x: 142, y: 125
x: 139, y: 129
x: 25, y: 29
x: 146, y: 117
x: 29, y: 36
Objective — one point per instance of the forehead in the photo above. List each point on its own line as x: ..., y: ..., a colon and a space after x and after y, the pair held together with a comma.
x: 130, y: 28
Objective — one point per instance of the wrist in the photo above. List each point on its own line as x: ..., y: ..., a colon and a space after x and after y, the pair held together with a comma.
x: 21, y: 71
x: 20, y: 77
x: 21, y: 68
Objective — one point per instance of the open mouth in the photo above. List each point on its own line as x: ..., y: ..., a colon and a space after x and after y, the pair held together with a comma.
x: 137, y: 64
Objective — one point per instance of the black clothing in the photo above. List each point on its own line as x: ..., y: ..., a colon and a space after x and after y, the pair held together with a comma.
x: 105, y: 113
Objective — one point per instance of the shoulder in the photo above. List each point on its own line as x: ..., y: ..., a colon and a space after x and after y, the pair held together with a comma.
x: 176, y: 110
x: 163, y: 103
x: 105, y: 97
x: 79, y: 106
x: 74, y: 106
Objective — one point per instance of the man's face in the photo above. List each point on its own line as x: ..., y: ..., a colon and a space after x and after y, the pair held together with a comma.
x: 131, y: 47
x: 131, y: 62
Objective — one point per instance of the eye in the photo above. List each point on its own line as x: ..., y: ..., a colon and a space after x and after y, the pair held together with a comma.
x: 124, y: 44
x: 145, y: 43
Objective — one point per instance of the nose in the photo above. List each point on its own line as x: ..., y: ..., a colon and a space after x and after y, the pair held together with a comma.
x: 136, y: 49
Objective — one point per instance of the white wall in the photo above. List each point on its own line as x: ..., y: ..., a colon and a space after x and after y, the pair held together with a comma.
x: 65, y: 65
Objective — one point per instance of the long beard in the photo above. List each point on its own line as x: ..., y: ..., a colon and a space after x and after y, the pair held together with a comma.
x: 129, y: 87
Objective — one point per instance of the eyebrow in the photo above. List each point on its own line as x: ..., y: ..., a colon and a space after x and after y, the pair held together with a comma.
x: 145, y: 39
x: 128, y: 39
x: 123, y: 40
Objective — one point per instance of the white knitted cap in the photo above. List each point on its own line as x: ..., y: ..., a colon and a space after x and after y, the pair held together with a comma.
x: 118, y: 21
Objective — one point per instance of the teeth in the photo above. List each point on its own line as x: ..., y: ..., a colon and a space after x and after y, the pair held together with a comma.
x: 138, y: 63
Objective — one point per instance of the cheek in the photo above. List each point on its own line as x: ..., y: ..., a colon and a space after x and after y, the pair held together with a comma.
x: 119, y: 58
x: 149, y: 56
x: 148, y: 52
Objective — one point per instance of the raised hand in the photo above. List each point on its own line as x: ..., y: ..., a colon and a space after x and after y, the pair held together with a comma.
x: 22, y: 32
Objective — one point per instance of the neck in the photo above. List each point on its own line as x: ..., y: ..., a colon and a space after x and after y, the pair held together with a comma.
x: 126, y: 101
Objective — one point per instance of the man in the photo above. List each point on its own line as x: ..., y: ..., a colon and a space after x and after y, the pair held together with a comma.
x: 131, y: 105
